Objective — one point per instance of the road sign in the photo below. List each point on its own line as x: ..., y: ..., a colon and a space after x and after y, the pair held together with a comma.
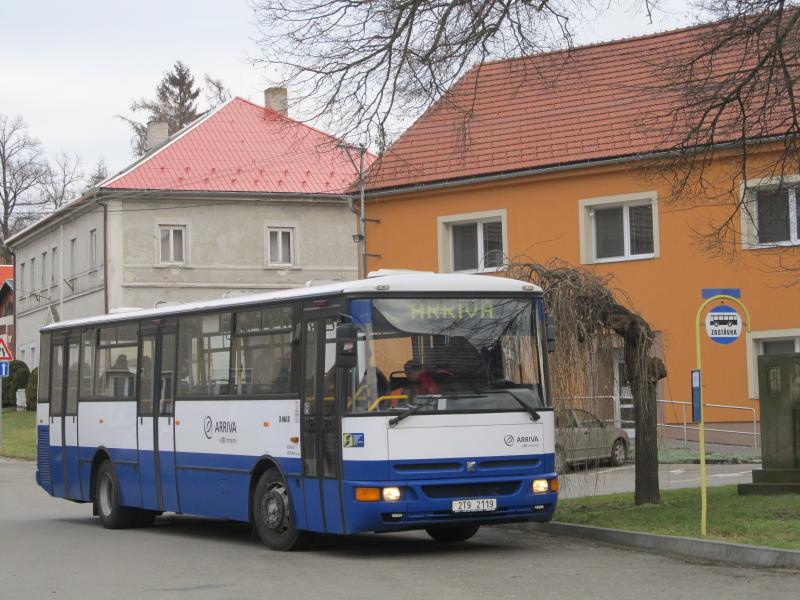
x: 5, y: 353
x: 4, y: 368
x: 723, y: 324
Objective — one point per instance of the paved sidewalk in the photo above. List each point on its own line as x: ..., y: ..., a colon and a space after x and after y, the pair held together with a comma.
x: 597, y: 482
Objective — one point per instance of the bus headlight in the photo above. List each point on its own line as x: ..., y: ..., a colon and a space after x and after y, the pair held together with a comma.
x: 540, y: 486
x: 391, y: 494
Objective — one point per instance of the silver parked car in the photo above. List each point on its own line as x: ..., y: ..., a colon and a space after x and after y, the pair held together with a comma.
x: 583, y: 438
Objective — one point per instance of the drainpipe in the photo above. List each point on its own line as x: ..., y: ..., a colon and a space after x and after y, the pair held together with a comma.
x: 14, y: 318
x: 105, y: 256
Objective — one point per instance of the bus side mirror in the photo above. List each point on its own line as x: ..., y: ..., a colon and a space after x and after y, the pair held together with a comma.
x: 550, y: 332
x: 346, y: 355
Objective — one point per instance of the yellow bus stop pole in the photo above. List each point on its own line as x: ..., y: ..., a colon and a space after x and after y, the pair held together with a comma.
x: 703, y: 480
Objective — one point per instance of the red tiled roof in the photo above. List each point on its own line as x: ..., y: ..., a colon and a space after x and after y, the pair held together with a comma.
x: 590, y: 103
x: 243, y: 147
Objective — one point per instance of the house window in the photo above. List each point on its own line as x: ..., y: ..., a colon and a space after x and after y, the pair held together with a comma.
x: 33, y: 275
x: 73, y: 257
x: 785, y: 346
x: 22, y: 278
x: 44, y: 270
x: 623, y: 231
x: 280, y: 244
x: 172, y: 244
x: 477, y: 246
x: 92, y: 248
x: 54, y: 267
x: 472, y: 242
x: 619, y: 228
x: 775, y: 215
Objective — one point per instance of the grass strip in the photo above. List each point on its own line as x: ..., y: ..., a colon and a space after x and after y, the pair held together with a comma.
x: 758, y: 520
x: 19, y: 434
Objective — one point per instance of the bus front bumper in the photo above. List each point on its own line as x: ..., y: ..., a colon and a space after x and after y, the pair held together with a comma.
x: 430, y: 502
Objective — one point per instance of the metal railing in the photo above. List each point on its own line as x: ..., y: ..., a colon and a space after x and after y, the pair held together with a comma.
x: 685, y: 424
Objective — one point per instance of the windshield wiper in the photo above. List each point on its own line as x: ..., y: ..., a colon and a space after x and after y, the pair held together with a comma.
x: 534, y: 415
x: 427, y: 400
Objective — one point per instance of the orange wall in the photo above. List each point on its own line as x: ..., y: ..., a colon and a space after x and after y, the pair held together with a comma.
x: 543, y: 222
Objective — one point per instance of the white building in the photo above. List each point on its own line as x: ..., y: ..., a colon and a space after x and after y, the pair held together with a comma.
x: 244, y: 199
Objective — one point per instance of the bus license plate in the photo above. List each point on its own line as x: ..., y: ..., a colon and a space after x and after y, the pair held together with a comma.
x: 474, y: 505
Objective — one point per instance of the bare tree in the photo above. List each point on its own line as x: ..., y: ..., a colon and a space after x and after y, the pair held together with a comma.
x: 366, y: 63
x: 588, y: 314
x: 62, y: 182
x: 22, y: 170
x: 735, y: 116
x: 215, y: 91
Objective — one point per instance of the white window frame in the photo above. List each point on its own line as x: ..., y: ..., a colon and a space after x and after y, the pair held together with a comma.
x: 21, y: 292
x: 92, y: 248
x: 586, y: 223
x: 34, y: 361
x: 54, y: 266
x: 292, y: 246
x: 755, y: 347
x: 749, y: 216
x: 445, y: 237
x: 73, y: 257
x: 172, y: 227
x: 45, y: 283
x: 33, y: 274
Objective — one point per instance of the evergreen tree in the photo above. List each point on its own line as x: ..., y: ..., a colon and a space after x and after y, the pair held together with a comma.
x: 175, y: 102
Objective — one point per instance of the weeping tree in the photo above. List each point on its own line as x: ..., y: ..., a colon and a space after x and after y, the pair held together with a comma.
x: 592, y: 319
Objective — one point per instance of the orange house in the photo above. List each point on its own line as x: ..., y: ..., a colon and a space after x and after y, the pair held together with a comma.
x: 542, y: 157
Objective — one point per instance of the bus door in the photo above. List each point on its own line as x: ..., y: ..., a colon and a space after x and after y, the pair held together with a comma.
x: 155, y: 417
x: 320, y: 423
x: 57, y: 463
x: 70, y: 420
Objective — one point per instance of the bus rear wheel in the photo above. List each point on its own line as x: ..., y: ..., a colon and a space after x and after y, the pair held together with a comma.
x: 272, y: 516
x: 107, y: 502
x: 452, y: 533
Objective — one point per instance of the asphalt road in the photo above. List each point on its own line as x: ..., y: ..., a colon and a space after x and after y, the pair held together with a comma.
x: 594, y: 482
x: 51, y: 548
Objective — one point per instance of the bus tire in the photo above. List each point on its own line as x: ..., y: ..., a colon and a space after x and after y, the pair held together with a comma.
x: 272, y: 516
x: 452, y: 533
x: 107, y: 503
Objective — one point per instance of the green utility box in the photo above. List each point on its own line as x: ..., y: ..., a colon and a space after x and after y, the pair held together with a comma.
x: 779, y: 397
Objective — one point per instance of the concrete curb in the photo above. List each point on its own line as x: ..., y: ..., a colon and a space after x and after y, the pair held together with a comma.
x: 722, y: 552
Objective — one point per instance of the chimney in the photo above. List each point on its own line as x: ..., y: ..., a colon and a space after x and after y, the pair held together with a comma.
x: 157, y: 134
x: 276, y: 98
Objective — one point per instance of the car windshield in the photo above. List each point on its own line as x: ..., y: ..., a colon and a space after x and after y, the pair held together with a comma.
x: 446, y: 354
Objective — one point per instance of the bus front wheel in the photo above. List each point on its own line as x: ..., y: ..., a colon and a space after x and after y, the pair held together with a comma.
x: 452, y: 533
x: 272, y: 516
x: 106, y: 497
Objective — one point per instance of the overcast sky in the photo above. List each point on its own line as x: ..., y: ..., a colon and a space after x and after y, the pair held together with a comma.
x: 69, y: 67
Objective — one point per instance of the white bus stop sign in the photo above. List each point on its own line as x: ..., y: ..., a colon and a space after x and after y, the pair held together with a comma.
x: 723, y: 324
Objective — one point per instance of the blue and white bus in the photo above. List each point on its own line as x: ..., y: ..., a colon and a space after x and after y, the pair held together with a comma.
x: 405, y: 401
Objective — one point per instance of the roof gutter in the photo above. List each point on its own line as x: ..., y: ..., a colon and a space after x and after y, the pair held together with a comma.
x: 478, y: 179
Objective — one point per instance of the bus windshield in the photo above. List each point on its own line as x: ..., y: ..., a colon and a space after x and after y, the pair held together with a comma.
x: 446, y: 355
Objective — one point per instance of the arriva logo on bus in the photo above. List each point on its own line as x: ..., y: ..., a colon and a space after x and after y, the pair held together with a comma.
x: 211, y: 427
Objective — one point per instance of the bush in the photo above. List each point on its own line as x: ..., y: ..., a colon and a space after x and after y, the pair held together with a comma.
x: 18, y: 374
x: 32, y: 389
